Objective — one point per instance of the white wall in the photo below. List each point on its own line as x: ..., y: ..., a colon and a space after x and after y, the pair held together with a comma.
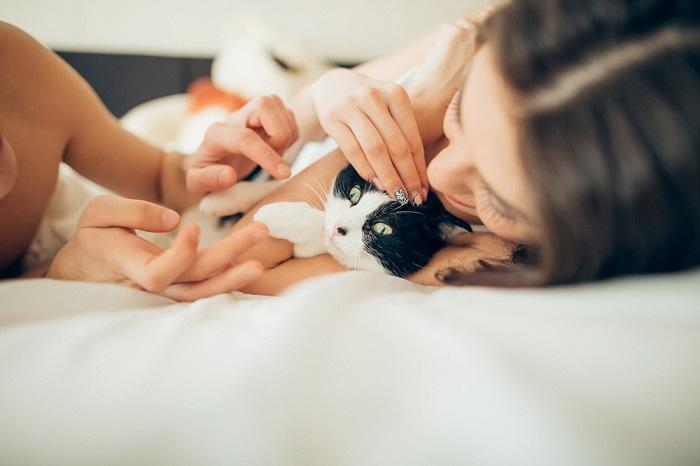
x: 345, y: 30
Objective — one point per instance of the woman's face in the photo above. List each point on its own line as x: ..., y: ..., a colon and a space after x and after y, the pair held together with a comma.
x: 479, y: 172
x: 8, y: 167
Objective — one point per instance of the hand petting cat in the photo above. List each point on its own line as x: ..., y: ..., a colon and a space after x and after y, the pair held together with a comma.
x: 256, y: 134
x: 373, y: 124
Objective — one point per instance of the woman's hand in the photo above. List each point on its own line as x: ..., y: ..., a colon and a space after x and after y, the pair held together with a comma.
x: 465, y: 253
x: 373, y: 124
x: 106, y: 249
x: 256, y: 134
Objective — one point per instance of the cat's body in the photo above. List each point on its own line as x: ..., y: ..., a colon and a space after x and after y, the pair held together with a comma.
x: 363, y: 228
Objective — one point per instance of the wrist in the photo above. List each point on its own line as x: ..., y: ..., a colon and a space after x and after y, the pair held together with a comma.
x: 173, y: 182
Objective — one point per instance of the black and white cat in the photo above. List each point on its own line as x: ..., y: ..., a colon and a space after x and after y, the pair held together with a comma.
x: 363, y: 228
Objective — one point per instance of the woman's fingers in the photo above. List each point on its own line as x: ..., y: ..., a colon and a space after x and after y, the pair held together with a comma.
x: 230, y: 280
x: 400, y: 150
x: 347, y: 143
x: 401, y: 111
x: 223, y: 253
x: 376, y: 152
x: 111, y: 211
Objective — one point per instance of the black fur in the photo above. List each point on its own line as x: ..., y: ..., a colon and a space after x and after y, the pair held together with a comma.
x: 419, y: 231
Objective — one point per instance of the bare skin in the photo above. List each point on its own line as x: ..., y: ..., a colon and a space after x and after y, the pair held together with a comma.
x: 50, y: 115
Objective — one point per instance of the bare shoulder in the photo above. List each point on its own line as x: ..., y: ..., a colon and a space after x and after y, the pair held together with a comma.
x: 34, y: 82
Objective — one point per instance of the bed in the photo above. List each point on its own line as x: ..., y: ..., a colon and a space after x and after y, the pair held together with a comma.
x: 350, y: 369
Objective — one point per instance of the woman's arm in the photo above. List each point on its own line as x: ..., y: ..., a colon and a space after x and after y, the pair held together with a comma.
x: 101, y: 150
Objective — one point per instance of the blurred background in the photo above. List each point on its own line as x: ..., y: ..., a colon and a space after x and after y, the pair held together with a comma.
x: 132, y: 50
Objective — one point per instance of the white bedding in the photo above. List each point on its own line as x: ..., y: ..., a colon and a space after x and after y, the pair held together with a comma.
x: 353, y: 369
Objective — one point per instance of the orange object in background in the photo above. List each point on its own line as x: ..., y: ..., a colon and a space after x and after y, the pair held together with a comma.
x: 203, y: 93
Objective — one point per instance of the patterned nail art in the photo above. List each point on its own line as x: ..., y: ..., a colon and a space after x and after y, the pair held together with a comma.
x: 400, y: 195
x: 416, y: 199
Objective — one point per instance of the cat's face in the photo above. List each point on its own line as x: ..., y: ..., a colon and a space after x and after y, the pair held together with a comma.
x: 365, y: 229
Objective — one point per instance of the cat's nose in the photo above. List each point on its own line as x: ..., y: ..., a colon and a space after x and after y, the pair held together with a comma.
x: 341, y: 231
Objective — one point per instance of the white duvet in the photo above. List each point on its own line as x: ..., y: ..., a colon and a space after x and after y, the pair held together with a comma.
x: 353, y: 369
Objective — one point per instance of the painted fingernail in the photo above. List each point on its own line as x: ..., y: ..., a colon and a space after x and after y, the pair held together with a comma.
x: 400, y: 195
x: 416, y: 199
x: 378, y: 184
x: 169, y: 217
x: 283, y: 170
x: 252, y: 273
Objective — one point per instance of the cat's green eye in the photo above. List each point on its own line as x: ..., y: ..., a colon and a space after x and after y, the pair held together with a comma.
x: 382, y: 229
x: 355, y: 195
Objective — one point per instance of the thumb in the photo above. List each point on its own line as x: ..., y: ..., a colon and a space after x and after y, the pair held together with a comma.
x: 113, y: 211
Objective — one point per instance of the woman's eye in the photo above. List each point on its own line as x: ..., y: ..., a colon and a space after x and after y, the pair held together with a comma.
x: 354, y: 195
x: 492, y: 209
x: 382, y: 229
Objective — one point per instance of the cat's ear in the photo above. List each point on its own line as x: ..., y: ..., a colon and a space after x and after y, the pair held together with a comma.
x: 451, y: 226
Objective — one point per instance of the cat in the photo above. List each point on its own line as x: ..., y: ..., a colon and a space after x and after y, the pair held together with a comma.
x: 363, y: 228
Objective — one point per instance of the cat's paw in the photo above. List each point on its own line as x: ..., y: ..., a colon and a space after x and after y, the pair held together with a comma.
x: 241, y: 197
x: 296, y: 222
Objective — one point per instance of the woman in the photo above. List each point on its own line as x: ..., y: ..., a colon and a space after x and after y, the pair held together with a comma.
x: 575, y: 132
x: 49, y: 115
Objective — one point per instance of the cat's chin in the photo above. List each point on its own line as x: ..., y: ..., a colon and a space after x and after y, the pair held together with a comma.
x: 363, y: 262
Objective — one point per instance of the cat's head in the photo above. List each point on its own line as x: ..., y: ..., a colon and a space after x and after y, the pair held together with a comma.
x: 366, y: 229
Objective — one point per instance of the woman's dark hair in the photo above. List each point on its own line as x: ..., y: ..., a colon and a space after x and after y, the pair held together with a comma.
x: 608, y: 119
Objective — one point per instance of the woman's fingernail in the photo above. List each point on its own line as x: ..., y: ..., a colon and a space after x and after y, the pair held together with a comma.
x: 378, y: 184
x: 416, y: 199
x: 283, y: 170
x: 425, y: 193
x: 169, y: 217
x: 400, y: 195
x: 252, y: 273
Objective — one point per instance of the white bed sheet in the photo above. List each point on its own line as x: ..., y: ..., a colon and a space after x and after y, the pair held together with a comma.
x: 352, y: 369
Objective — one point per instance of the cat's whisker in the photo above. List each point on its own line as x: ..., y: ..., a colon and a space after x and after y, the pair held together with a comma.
x: 321, y: 198
x: 320, y: 190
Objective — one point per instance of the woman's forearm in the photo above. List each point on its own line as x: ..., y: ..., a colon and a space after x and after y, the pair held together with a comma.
x: 276, y: 280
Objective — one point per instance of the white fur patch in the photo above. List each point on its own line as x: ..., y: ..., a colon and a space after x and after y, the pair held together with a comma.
x: 296, y: 222
x: 349, y: 248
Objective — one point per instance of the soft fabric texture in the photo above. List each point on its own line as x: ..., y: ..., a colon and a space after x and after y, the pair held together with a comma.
x: 352, y: 369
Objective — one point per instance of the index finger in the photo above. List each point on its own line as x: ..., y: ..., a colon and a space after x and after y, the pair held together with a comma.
x: 406, y: 122
x: 226, y: 140
x: 113, y: 211
x: 223, y: 253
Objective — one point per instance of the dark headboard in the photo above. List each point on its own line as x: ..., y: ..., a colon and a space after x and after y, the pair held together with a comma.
x: 123, y: 81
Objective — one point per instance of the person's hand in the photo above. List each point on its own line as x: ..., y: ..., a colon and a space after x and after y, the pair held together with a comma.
x: 466, y: 253
x: 106, y: 249
x: 373, y: 124
x: 256, y: 134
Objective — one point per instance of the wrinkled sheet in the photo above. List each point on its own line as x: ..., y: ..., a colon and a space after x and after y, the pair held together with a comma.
x: 352, y: 369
